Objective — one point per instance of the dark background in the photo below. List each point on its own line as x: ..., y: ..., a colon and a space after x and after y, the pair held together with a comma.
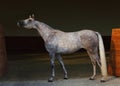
x: 66, y: 15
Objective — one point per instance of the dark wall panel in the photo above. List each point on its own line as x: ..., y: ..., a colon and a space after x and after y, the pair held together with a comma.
x: 66, y: 15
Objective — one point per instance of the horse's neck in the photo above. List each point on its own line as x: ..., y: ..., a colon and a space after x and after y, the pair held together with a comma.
x: 44, y: 30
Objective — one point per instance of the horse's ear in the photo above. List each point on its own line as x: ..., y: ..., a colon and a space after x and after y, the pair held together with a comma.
x: 32, y: 16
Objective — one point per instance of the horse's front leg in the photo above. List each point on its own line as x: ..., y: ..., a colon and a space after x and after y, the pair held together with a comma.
x: 52, y: 60
x: 62, y: 65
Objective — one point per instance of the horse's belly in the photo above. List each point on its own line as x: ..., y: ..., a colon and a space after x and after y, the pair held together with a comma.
x: 67, y: 48
x: 66, y: 51
x: 66, y: 43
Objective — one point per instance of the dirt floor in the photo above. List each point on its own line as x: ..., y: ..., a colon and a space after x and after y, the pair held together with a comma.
x: 28, y: 69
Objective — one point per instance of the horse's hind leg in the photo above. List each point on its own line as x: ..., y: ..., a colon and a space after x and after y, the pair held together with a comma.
x: 94, y: 58
x: 62, y: 65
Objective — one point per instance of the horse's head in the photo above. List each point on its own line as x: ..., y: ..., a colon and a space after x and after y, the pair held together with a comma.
x: 27, y: 23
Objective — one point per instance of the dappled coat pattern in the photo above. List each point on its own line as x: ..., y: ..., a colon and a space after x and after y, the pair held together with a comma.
x: 58, y: 42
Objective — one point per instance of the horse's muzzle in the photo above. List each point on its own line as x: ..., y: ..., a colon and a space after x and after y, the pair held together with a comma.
x: 21, y: 23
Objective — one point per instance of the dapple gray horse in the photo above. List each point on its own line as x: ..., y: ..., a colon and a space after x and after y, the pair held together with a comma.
x: 58, y: 42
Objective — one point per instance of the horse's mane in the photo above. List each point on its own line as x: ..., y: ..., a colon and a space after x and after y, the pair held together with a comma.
x: 45, y: 25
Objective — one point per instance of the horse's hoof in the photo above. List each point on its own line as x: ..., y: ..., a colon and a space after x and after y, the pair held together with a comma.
x: 102, y: 81
x: 91, y: 78
x: 51, y: 79
x: 66, y: 78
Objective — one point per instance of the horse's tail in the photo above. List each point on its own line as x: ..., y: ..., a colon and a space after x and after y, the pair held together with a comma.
x: 102, y: 57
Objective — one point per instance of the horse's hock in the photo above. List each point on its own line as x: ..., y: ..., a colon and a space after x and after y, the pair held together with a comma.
x: 3, y: 57
x: 114, y: 62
